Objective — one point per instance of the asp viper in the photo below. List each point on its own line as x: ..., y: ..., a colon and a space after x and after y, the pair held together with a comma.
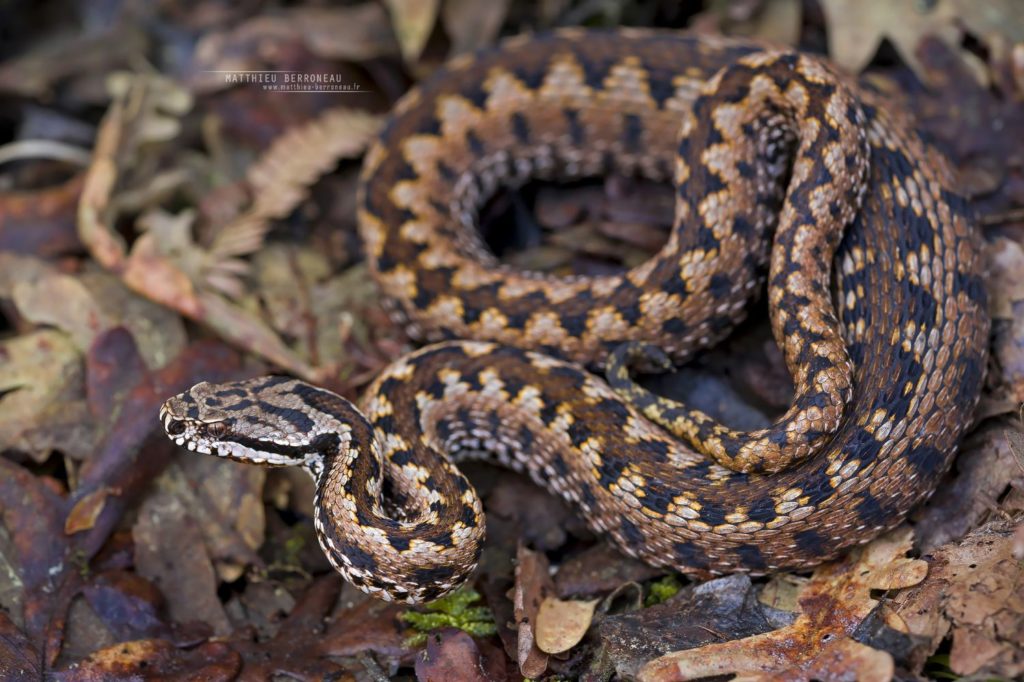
x: 778, y: 161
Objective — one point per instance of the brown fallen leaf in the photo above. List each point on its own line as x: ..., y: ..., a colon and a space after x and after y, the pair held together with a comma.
x: 1006, y: 287
x: 327, y: 315
x: 130, y: 606
x: 982, y: 474
x: 561, y: 624
x: 89, y: 303
x: 281, y: 178
x: 19, y: 660
x: 451, y: 654
x: 1006, y: 278
x: 539, y: 518
x: 41, y: 222
x: 142, y: 110
x: 361, y: 624
x: 782, y: 592
x: 86, y: 510
x: 32, y: 511
x: 80, y: 55
x: 225, y: 502
x: 970, y: 120
x: 181, y: 568
x: 856, y: 29
x: 140, y: 107
x: 41, y: 389
x: 348, y: 33
x: 114, y: 367
x: 974, y: 592
x: 165, y: 264
x: 712, y: 611
x: 818, y: 644
x: 294, y: 651
x: 155, y: 659
x: 51, y: 565
x: 533, y: 584
x: 598, y: 569
x: 132, y: 452
x: 353, y: 33
x: 413, y: 21
x: 470, y: 24
x: 777, y: 21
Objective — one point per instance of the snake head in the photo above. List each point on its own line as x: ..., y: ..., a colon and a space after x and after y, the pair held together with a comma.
x: 259, y: 421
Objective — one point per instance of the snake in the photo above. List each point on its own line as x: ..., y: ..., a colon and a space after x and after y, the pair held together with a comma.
x: 787, y: 174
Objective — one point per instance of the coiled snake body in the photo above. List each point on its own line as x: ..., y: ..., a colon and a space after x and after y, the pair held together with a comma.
x: 758, y: 143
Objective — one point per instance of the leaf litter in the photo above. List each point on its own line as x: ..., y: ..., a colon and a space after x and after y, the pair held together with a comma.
x: 210, y: 237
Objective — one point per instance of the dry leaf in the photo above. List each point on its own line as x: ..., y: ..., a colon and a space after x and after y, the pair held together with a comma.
x: 88, y: 304
x: 817, y: 645
x: 85, y: 512
x: 561, y: 624
x: 40, y: 221
x: 1006, y: 278
x: 533, y: 584
x: 41, y: 388
x: 783, y: 592
x: 37, y: 73
x: 1006, y: 289
x: 451, y: 656
x: 164, y: 264
x: 159, y: 659
x: 349, y: 33
x: 228, y: 506
x: 142, y: 107
x: 974, y: 591
x: 777, y: 21
x: 856, y: 28
x: 355, y: 33
x: 413, y: 21
x: 713, y: 611
x: 62, y: 301
x: 181, y: 569
x: 281, y: 178
x: 984, y: 472
x: 472, y: 24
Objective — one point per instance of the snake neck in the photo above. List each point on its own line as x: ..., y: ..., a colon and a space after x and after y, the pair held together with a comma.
x: 389, y: 540
x: 396, y: 555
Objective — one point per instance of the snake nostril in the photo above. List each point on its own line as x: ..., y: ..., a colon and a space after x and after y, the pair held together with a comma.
x: 175, y: 427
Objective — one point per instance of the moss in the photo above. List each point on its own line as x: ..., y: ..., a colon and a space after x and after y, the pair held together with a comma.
x: 663, y: 589
x: 456, y: 610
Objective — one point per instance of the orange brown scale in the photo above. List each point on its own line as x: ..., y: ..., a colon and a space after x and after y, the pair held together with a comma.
x: 769, y: 143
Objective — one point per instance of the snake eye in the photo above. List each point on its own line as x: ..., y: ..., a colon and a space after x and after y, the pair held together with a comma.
x: 216, y: 429
x: 175, y: 427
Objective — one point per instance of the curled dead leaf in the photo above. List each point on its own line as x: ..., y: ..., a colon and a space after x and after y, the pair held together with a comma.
x: 562, y: 624
x: 533, y: 584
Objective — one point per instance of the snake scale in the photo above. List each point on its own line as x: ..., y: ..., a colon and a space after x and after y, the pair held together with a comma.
x: 784, y: 170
